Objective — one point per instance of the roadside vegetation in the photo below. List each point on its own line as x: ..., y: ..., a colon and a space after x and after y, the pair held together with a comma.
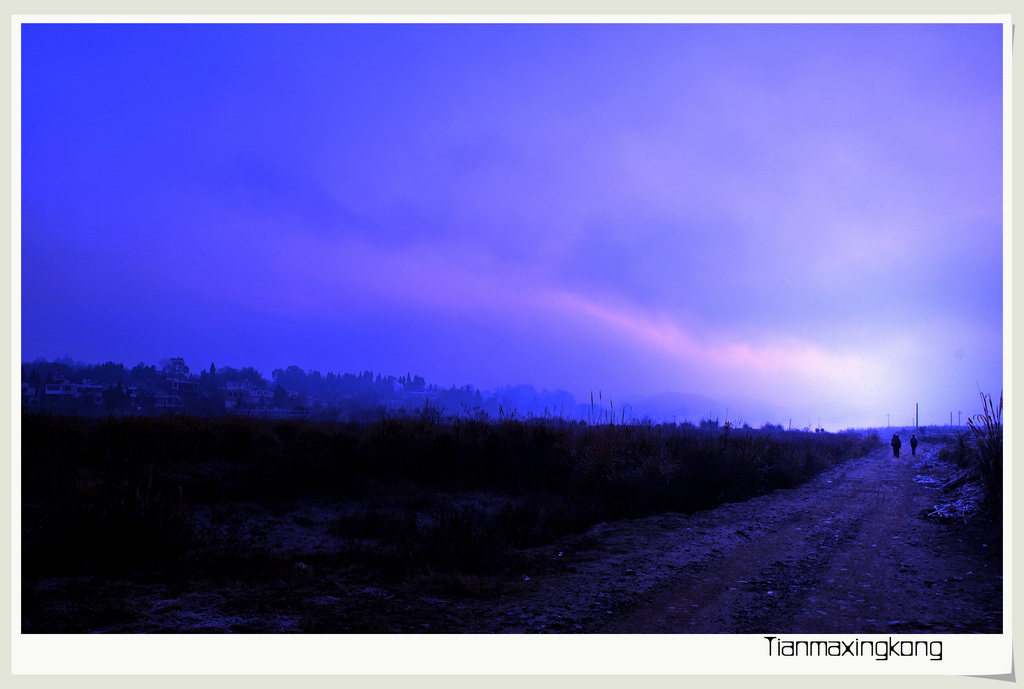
x: 451, y: 503
x: 979, y: 454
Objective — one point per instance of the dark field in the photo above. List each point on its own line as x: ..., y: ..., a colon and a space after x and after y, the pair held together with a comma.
x: 116, y: 507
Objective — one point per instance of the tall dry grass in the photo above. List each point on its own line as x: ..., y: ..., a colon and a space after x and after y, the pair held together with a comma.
x: 987, y: 450
x: 122, y: 492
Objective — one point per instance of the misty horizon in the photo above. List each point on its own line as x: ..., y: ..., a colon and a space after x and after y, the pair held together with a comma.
x: 524, y: 399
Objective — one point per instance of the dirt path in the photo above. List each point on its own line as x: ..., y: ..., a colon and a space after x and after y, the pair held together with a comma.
x: 850, y: 552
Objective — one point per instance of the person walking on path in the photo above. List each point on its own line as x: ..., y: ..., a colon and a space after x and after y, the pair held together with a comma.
x: 895, y: 442
x: 913, y: 445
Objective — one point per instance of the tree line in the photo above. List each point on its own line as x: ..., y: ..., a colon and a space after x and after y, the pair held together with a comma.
x: 344, y: 395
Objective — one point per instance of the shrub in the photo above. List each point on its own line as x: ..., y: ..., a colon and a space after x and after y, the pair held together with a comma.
x: 957, y: 452
x: 987, y: 451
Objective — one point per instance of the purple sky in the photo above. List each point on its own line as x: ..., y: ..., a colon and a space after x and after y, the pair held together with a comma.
x: 804, y: 214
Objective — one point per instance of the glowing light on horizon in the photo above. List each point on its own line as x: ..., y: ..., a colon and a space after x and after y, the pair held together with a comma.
x: 794, y: 358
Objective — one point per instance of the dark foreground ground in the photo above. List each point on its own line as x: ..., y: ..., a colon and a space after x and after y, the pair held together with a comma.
x: 870, y: 546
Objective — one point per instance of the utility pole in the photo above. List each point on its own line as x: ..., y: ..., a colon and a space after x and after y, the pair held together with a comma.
x: 957, y: 417
x: 917, y: 414
x: 887, y: 422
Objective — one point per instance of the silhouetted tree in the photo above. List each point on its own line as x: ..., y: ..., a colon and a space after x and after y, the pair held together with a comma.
x: 292, y: 378
x: 142, y: 373
x: 250, y: 375
x: 174, y: 367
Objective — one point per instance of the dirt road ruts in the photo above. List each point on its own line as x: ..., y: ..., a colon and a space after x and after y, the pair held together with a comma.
x: 851, y: 552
